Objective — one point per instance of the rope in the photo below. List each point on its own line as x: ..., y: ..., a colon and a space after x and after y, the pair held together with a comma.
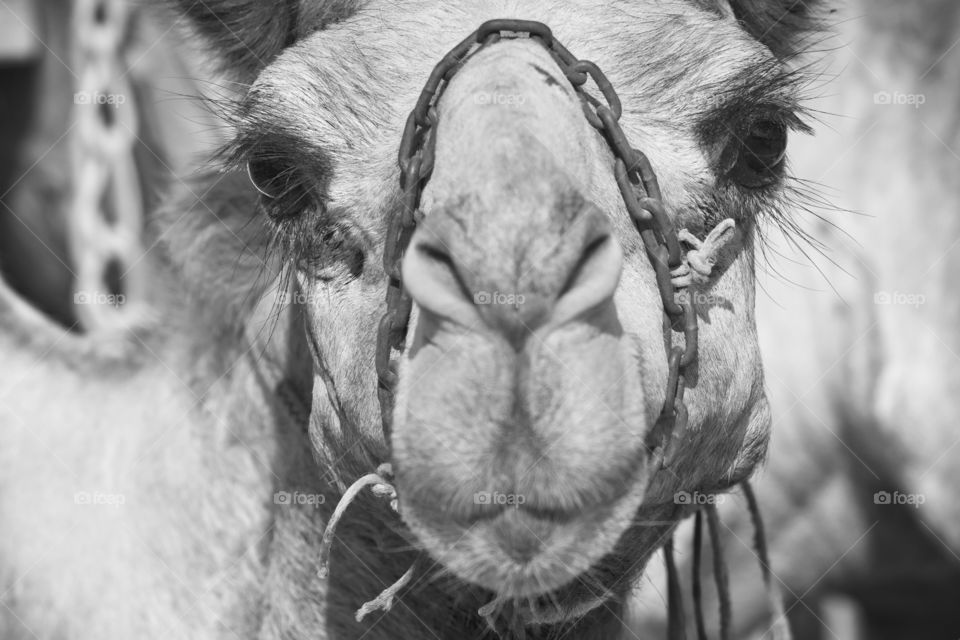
x: 698, y: 262
x: 719, y: 570
x: 384, y: 601
x: 779, y: 626
x: 489, y: 613
x: 697, y: 586
x: 675, y: 614
x: 381, y: 488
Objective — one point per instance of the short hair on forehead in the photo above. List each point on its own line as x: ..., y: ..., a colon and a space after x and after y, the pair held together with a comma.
x: 246, y: 35
x: 780, y: 25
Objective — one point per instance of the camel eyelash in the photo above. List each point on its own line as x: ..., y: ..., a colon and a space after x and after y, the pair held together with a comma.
x: 284, y: 191
x: 289, y: 180
x: 766, y: 91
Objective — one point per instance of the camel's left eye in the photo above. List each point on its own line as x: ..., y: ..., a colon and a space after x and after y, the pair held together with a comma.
x: 280, y: 185
x: 761, y: 152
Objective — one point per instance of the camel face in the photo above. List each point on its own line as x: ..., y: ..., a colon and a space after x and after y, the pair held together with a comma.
x: 535, y: 364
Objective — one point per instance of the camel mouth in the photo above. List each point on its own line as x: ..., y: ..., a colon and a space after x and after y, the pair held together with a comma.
x: 518, y: 471
x: 518, y: 551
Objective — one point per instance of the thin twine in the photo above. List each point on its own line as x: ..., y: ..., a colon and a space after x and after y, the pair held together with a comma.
x: 719, y: 570
x: 381, y: 488
x: 675, y: 614
x: 779, y: 626
x: 384, y: 602
x: 697, y: 586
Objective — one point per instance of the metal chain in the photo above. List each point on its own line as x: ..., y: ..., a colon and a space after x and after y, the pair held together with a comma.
x: 106, y: 215
x: 638, y: 186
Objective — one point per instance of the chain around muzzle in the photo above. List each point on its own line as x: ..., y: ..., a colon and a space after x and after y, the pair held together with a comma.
x: 638, y: 186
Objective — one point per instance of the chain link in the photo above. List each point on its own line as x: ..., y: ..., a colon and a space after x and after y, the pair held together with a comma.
x: 104, y: 172
x: 638, y: 186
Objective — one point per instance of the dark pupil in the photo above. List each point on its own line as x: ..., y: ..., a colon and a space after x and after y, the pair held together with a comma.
x: 766, y: 146
x: 271, y: 177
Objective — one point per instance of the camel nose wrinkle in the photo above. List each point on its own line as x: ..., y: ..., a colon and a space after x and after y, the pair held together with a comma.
x: 513, y: 282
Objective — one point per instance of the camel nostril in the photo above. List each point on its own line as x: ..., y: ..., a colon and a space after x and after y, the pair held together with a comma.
x: 593, y: 279
x: 434, y: 280
x: 586, y: 262
x: 443, y: 265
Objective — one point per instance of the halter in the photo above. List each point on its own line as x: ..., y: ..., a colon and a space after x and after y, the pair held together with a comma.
x: 638, y: 187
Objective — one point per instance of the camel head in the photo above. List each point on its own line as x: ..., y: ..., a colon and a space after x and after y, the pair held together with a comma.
x: 535, y: 363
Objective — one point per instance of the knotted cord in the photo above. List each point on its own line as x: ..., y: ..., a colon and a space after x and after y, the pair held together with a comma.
x: 698, y: 262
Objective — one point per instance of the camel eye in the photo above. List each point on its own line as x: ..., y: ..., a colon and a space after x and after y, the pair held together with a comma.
x: 760, y: 155
x: 280, y: 184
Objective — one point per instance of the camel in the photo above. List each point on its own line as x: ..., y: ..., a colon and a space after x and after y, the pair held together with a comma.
x: 858, y: 493
x: 179, y: 477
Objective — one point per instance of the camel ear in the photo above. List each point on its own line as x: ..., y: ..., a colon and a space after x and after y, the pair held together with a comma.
x: 245, y: 35
x: 781, y: 25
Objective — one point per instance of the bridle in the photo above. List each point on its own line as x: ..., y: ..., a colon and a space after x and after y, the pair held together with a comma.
x: 638, y: 187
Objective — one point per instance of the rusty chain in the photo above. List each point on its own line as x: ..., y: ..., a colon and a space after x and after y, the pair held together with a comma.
x: 638, y: 186
x: 106, y: 214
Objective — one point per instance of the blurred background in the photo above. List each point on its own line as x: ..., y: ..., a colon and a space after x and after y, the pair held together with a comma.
x: 857, y: 304
x: 96, y: 115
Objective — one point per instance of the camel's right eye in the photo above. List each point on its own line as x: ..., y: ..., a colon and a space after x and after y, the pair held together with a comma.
x: 761, y: 153
x: 280, y: 184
